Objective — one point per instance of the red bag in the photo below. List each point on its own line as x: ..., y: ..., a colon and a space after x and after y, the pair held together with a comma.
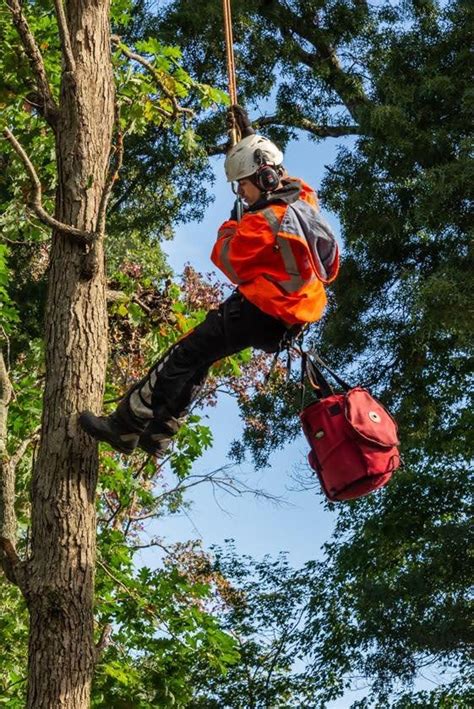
x: 353, y: 439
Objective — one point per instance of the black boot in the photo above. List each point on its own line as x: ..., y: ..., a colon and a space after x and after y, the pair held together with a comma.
x: 111, y: 429
x: 156, y: 438
x: 155, y: 444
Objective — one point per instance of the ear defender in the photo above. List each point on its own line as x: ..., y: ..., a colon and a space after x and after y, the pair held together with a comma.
x: 267, y: 178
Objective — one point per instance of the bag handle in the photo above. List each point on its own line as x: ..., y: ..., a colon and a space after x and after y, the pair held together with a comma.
x: 311, y: 364
x: 342, y: 383
x: 315, y: 377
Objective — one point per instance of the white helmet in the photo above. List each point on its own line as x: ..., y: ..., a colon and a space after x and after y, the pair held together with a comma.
x: 241, y: 162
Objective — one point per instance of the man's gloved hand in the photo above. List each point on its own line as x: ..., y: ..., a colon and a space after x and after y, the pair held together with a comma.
x: 239, y: 115
x: 237, y: 210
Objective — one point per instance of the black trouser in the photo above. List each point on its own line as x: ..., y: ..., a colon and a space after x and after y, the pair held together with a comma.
x: 165, y: 394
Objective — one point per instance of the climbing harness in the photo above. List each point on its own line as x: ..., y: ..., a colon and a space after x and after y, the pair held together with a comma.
x: 292, y: 340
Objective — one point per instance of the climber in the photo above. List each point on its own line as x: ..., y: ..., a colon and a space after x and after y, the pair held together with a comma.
x: 279, y: 256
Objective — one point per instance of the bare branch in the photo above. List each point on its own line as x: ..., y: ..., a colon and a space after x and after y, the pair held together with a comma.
x: 49, y: 107
x: 220, y: 480
x: 104, y: 640
x: 117, y: 158
x: 10, y: 562
x: 7, y: 477
x: 65, y: 37
x: 285, y: 634
x: 22, y: 448
x: 30, y: 244
x: 14, y: 684
x: 155, y: 74
x: 35, y: 202
x: 6, y: 391
x: 296, y: 121
x: 219, y: 149
x: 155, y: 543
x: 118, y: 296
x: 142, y: 305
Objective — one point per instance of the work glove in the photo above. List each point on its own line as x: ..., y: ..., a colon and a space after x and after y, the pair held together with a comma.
x: 242, y: 121
x: 237, y: 210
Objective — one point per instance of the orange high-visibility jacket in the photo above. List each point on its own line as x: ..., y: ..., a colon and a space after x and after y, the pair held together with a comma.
x: 281, y: 254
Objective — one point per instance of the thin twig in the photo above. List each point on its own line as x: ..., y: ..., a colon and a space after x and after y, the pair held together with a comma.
x: 8, y: 521
x: 35, y: 202
x: 114, y: 296
x: 131, y: 593
x: 22, y: 448
x: 13, y: 242
x: 154, y: 73
x: 153, y: 543
x: 142, y: 305
x: 142, y: 467
x: 226, y: 483
x: 13, y: 684
x: 112, y: 177
x: 114, y: 513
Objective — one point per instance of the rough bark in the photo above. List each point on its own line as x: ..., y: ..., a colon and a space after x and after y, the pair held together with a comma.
x: 61, y: 567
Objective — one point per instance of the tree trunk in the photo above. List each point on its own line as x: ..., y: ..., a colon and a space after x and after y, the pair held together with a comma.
x: 61, y: 568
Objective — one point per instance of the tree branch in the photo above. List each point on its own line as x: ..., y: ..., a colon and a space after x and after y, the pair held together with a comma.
x: 153, y: 544
x: 9, y: 560
x: 322, y: 131
x: 7, y: 478
x: 49, y: 107
x: 104, y: 640
x: 117, y: 296
x: 112, y: 177
x: 296, y: 121
x: 286, y: 632
x: 35, y: 203
x: 65, y: 38
x: 155, y: 74
x: 22, y: 448
x: 148, y: 609
x: 324, y: 60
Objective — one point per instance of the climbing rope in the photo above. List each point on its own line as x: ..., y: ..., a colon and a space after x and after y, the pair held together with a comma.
x: 234, y: 132
x: 232, y: 83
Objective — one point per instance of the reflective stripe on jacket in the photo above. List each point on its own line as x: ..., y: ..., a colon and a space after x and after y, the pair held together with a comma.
x: 281, y: 254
